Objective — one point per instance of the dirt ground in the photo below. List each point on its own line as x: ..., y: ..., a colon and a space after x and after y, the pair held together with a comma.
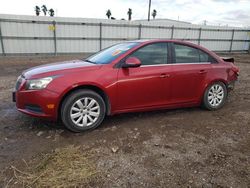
x: 170, y: 148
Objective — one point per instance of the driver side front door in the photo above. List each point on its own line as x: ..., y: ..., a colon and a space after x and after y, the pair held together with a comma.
x: 145, y: 86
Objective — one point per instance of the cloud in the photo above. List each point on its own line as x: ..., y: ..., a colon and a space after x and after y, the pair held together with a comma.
x: 237, y: 14
x: 224, y: 12
x: 227, y: 1
x: 215, y: 12
x: 237, y: 17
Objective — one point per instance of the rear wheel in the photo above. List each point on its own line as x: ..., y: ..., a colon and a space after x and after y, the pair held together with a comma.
x: 215, y: 96
x: 83, y: 110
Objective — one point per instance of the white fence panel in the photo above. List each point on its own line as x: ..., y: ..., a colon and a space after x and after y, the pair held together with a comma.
x: 155, y: 33
x: 241, y: 35
x: 26, y: 29
x: 186, y: 34
x: 216, y: 46
x: 216, y: 34
x: 77, y: 31
x: 238, y: 46
x: 119, y: 32
x: 31, y: 34
x: 77, y: 46
x: 28, y: 46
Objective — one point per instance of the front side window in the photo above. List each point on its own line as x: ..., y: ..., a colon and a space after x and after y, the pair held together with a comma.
x: 152, y: 54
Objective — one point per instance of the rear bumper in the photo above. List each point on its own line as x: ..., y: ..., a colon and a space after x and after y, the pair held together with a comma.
x: 38, y: 103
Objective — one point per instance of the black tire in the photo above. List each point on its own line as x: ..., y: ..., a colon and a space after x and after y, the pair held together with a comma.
x: 70, y: 100
x: 207, y: 96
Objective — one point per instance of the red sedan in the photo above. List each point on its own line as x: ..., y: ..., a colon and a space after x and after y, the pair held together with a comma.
x: 127, y: 77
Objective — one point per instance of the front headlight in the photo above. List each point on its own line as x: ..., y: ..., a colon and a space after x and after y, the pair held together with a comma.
x: 38, y: 83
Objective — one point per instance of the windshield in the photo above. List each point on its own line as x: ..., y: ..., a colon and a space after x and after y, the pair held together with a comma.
x: 107, y: 55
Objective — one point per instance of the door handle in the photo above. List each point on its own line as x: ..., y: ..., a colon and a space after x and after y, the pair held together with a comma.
x: 164, y: 75
x: 202, y: 71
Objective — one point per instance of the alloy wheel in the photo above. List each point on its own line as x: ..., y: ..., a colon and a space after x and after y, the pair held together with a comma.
x: 215, y: 95
x: 85, y: 112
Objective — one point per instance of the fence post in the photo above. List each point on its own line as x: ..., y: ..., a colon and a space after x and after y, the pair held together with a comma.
x: 199, y: 39
x: 139, y: 32
x: 231, y: 44
x: 172, y: 32
x: 1, y: 40
x: 100, y: 38
x: 54, y: 32
x: 248, y: 41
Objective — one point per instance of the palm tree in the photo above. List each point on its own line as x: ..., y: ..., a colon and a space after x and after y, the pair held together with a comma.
x: 44, y: 9
x: 154, y: 13
x: 108, y: 13
x: 129, y: 14
x: 37, y: 10
x: 51, y: 12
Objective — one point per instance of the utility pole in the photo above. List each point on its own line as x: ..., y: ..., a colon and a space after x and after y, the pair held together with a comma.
x: 149, y: 6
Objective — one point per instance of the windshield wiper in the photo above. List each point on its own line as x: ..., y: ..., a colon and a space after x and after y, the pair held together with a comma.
x: 89, y: 61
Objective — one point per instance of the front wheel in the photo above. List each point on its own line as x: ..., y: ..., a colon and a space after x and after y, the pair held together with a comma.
x: 215, y: 96
x: 83, y: 110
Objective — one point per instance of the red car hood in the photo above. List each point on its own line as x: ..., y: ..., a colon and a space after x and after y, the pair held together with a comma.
x: 58, y: 68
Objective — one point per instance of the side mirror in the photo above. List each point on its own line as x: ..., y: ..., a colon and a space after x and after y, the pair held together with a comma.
x: 131, y: 62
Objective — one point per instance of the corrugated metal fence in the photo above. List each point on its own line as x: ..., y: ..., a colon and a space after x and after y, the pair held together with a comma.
x: 38, y: 36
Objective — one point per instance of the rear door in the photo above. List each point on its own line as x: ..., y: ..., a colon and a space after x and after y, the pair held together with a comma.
x: 190, y: 68
x: 145, y: 86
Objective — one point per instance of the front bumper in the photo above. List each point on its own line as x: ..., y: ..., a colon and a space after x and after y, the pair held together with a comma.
x: 38, y: 103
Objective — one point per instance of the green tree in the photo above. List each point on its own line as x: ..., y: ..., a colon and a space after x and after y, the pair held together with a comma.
x: 44, y: 9
x: 154, y: 13
x: 108, y: 13
x: 129, y: 14
x: 51, y: 12
x: 37, y: 10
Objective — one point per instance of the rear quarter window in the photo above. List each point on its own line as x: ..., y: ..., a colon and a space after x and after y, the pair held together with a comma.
x: 187, y: 54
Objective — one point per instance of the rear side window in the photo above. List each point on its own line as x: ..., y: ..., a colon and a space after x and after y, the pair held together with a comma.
x: 203, y: 56
x: 152, y: 54
x: 187, y: 54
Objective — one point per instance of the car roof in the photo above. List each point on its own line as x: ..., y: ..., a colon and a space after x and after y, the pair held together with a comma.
x: 179, y: 41
x: 161, y: 40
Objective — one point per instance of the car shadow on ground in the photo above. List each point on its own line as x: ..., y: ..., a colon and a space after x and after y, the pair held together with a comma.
x: 128, y: 119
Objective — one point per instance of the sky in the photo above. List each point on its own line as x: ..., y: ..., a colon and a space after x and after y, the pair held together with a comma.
x: 215, y: 12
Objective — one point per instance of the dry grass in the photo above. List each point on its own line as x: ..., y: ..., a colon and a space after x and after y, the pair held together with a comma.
x: 66, y: 167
